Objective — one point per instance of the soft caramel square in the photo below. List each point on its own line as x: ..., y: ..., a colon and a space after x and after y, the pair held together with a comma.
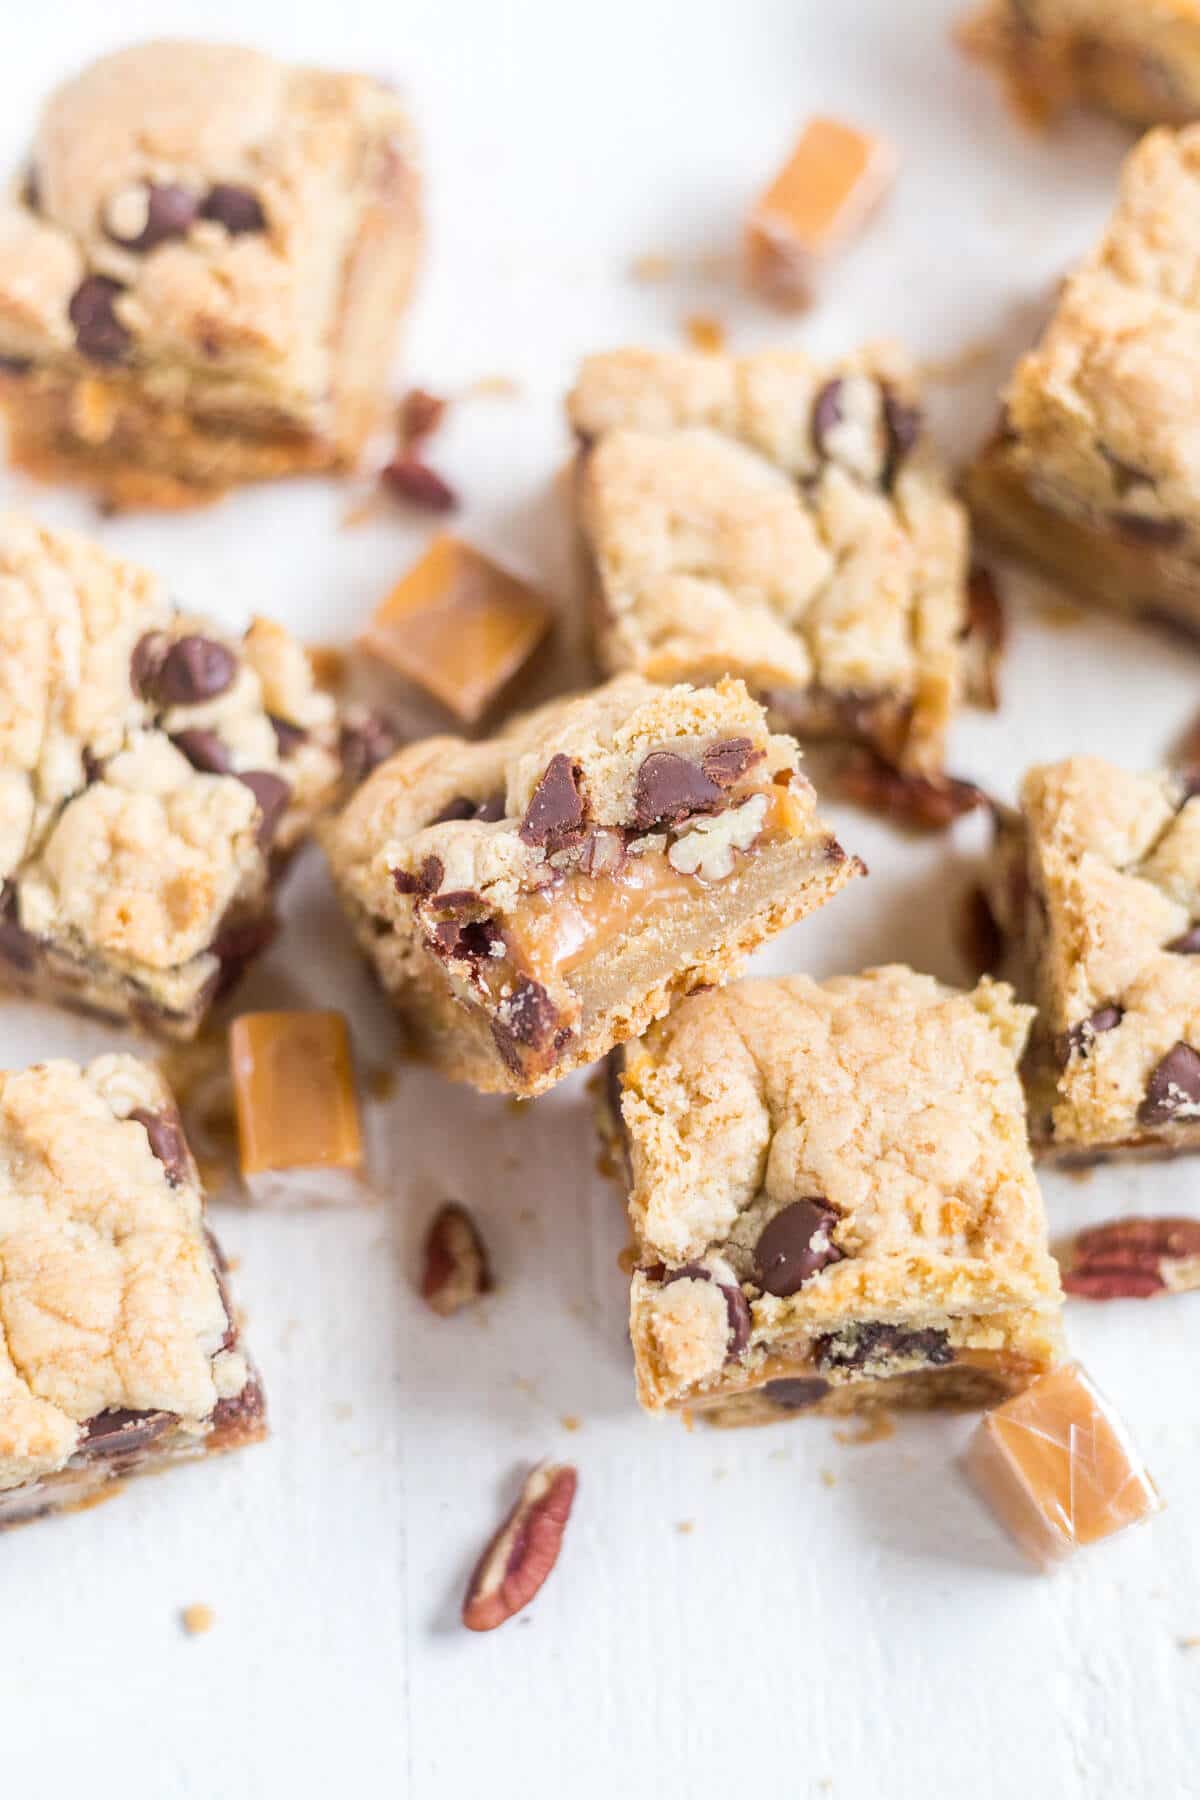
x: 458, y: 626
x: 831, y: 183
x: 1058, y: 1469
x: 299, y: 1129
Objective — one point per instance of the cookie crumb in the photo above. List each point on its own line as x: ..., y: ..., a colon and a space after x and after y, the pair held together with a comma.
x: 686, y: 1527
x: 872, y: 1430
x: 197, y: 1619
x: 703, y: 332
x: 828, y: 1478
x: 651, y: 267
x: 493, y: 387
x: 1190, y: 1643
x: 570, y: 1422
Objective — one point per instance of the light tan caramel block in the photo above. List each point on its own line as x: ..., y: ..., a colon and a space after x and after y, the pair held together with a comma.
x: 1057, y: 1467
x: 459, y: 627
x: 829, y: 186
x: 299, y: 1130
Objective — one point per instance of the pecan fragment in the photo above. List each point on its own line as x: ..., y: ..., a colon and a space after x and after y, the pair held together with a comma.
x: 983, y: 637
x: 524, y: 1550
x: 420, y: 415
x: 456, y: 1268
x: 918, y: 801
x: 1134, y: 1258
x: 413, y: 480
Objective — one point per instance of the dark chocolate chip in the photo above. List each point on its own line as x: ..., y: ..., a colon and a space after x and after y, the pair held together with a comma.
x: 272, y: 793
x: 413, y: 480
x: 555, y: 811
x: 31, y: 190
x: 728, y: 761
x: 1148, y: 528
x: 236, y: 945
x: 170, y: 211
x: 1078, y: 1040
x: 166, y: 1141
x: 902, y: 421
x: 493, y: 809
x: 1173, y: 1087
x: 427, y: 880
x: 364, y: 744
x: 470, y: 942
x: 795, y: 1394
x: 986, y: 620
x: 93, y: 765
x: 1188, y: 944
x: 826, y: 413
x: 121, y: 1430
x: 146, y: 662
x: 875, y: 1342
x: 193, y: 669
x: 670, y: 788
x: 15, y: 365
x: 204, y: 750
x: 18, y: 947
x: 99, y: 334
x: 238, y: 209
x: 458, y: 808
x: 288, y: 737
x: 737, y: 1307
x: 794, y: 1246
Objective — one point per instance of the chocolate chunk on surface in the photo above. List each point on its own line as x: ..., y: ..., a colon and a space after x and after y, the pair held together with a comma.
x: 142, y: 218
x: 1173, y: 1090
x: 204, y: 750
x: 167, y: 1141
x: 670, y: 788
x: 902, y: 422
x: 17, y: 947
x: 99, y: 334
x: 826, y: 413
x: 555, y: 810
x: 1078, y: 1039
x: 193, y: 669
x: 122, y: 1430
x: 238, y: 209
x: 795, y: 1245
x: 272, y: 793
x: 288, y: 737
x: 873, y: 1342
x: 727, y: 762
x: 1188, y: 944
x: 427, y: 880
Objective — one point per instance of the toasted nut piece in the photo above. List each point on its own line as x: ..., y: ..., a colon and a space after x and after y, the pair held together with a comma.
x: 1133, y: 1259
x: 984, y: 637
x: 523, y: 1551
x: 918, y: 801
x: 456, y: 1269
x: 707, y: 850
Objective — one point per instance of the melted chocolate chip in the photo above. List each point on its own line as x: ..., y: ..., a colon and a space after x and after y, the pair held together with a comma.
x: 427, y: 880
x: 469, y: 942
x: 826, y: 413
x: 365, y: 744
x: 1173, y: 1087
x: 204, y: 750
x: 120, y: 1431
x: 238, y: 209
x: 167, y: 1141
x: 458, y: 808
x: 1078, y: 1040
x: 236, y: 945
x: 170, y: 211
x: 272, y: 793
x: 555, y: 811
x: 902, y: 422
x: 794, y: 1246
x: 737, y: 1307
x: 493, y: 809
x: 728, y: 761
x: 18, y: 947
x: 1148, y: 528
x: 1188, y: 944
x: 670, y: 788
x: 875, y: 1342
x: 795, y: 1394
x: 146, y: 661
x: 192, y: 669
x: 288, y: 737
x: 99, y: 334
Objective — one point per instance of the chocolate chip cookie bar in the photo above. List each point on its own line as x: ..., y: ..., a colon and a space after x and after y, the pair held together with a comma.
x: 1096, y: 888
x: 155, y: 775
x: 832, y: 1199
x: 1091, y: 473
x: 201, y: 270
x: 531, y: 900
x: 787, y: 522
x: 119, y: 1350
x: 1136, y: 59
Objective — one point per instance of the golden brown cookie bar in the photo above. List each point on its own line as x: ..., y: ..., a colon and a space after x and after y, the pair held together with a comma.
x: 1097, y: 888
x: 1091, y: 474
x: 119, y: 1349
x: 1137, y: 59
x: 201, y: 270
x: 781, y: 520
x: 155, y: 774
x: 832, y: 1199
x: 533, y: 899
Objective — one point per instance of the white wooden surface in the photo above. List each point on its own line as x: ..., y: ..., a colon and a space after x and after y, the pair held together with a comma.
x: 834, y: 1619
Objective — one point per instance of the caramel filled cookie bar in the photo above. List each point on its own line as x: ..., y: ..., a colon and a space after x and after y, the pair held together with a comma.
x: 119, y: 1350
x: 531, y: 900
x: 832, y: 1200
x: 201, y: 271
x: 155, y: 774
x: 782, y: 521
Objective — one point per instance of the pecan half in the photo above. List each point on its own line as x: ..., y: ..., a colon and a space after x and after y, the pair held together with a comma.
x: 456, y: 1268
x: 522, y: 1553
x: 918, y: 801
x: 1133, y: 1259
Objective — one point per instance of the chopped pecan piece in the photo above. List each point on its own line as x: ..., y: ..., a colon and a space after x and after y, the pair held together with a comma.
x: 983, y: 637
x: 1134, y: 1258
x: 524, y: 1550
x: 456, y: 1267
x: 918, y: 801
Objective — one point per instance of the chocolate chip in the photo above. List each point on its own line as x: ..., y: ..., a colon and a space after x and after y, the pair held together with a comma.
x: 1173, y: 1087
x: 528, y: 1014
x: 902, y: 422
x: 99, y: 334
x: 458, y: 808
x: 670, y: 788
x: 18, y: 947
x: 16, y: 365
x: 238, y: 209
x: 470, y: 942
x: 170, y: 211
x: 193, y: 669
x: 1188, y: 944
x: 167, y: 1141
x: 93, y: 765
x: 236, y: 945
x: 795, y: 1395
x: 737, y: 1307
x: 858, y: 1345
x: 728, y: 761
x: 272, y: 793
x: 1078, y: 1039
x: 121, y: 1430
x: 1148, y: 528
x: 826, y: 413
x: 413, y: 480
x: 204, y: 750
x: 555, y: 810
x: 794, y: 1246
x: 364, y: 744
x: 31, y: 190
x: 146, y: 662
x: 427, y: 880
x: 493, y: 809
x: 288, y: 737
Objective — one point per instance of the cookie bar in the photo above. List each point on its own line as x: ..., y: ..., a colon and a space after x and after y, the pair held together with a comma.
x: 155, y: 774
x: 1137, y: 59
x: 832, y: 1200
x: 1095, y: 887
x: 783, y: 521
x: 119, y: 1351
x: 201, y: 271
x: 1091, y: 473
x: 531, y: 900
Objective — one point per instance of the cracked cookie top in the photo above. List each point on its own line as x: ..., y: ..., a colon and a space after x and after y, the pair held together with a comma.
x: 109, y: 1296
x: 188, y: 209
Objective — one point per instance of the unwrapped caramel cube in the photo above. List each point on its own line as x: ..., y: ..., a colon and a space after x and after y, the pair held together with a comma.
x: 459, y: 627
x: 1057, y: 1468
x: 824, y: 193
x: 299, y: 1133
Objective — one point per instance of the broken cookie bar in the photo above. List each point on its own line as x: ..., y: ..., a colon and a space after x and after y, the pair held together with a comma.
x: 830, y: 185
x: 300, y: 1138
x: 1136, y: 59
x: 1057, y: 1467
x: 156, y: 772
x: 1090, y: 474
x: 1095, y: 887
x: 833, y: 1201
x: 531, y: 900
x: 119, y: 1348
x: 201, y: 270
x: 785, y: 521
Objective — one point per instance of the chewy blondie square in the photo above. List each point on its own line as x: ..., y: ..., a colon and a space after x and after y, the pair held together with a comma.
x: 119, y: 1349
x: 1137, y: 59
x: 155, y: 775
x: 1096, y: 888
x: 832, y: 1199
x: 781, y: 520
x: 201, y: 272
x: 1092, y: 473
x: 530, y: 900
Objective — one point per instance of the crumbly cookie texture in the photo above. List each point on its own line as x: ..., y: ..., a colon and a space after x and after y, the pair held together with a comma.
x: 111, y: 1298
x: 209, y: 248
x: 1100, y: 886
x: 781, y: 520
x: 152, y: 770
x: 830, y: 1185
x: 532, y: 899
x: 1137, y: 59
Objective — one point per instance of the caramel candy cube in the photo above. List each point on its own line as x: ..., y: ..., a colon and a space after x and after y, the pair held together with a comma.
x: 458, y: 626
x: 1057, y: 1467
x: 299, y: 1132
x: 822, y: 196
